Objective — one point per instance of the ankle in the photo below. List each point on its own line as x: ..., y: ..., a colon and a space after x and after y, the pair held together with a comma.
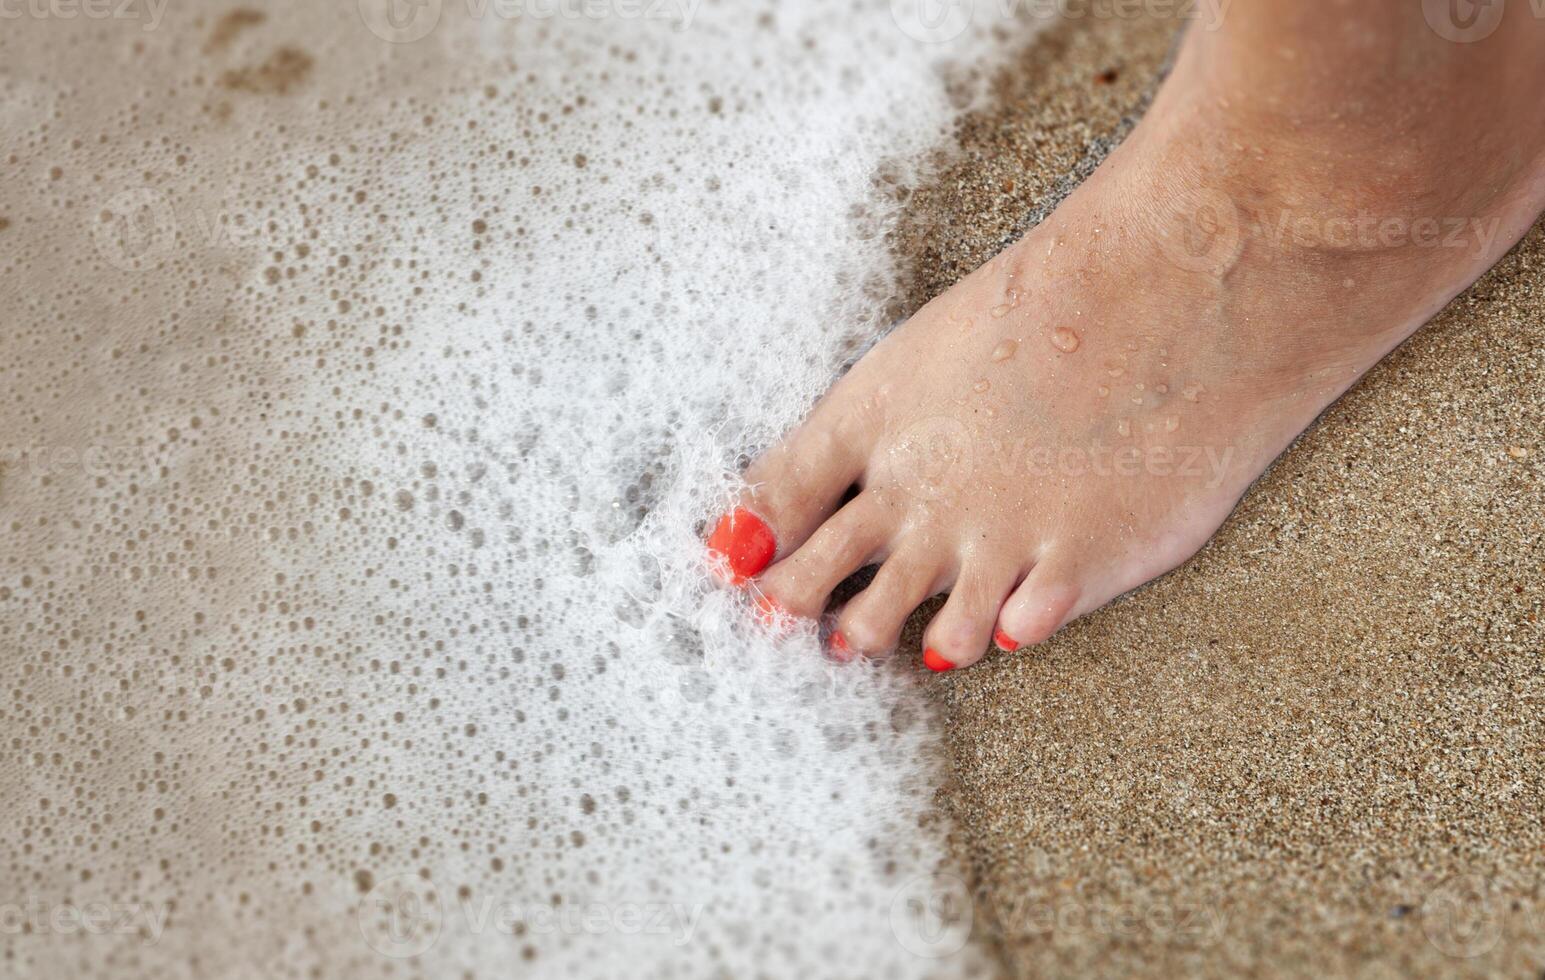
x: 1326, y: 192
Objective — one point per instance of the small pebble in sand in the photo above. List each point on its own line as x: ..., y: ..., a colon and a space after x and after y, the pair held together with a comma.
x: 1518, y: 452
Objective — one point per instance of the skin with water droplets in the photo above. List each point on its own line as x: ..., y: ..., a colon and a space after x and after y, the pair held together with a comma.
x: 1065, y: 339
x: 1005, y: 350
x: 1004, y: 309
x: 1124, y: 427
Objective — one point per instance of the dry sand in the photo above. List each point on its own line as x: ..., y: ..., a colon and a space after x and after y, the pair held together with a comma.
x: 1318, y: 747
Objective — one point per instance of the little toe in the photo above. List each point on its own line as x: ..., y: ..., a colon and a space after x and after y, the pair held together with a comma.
x: 1044, y: 601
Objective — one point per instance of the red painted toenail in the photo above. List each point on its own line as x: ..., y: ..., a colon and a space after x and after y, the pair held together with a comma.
x: 840, y: 650
x: 934, y: 662
x: 743, y: 544
x: 1005, y: 642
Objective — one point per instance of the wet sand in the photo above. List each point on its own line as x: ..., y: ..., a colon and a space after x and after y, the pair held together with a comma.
x: 1318, y: 747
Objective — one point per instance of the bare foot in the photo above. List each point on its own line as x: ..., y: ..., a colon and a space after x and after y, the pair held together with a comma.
x: 1081, y: 414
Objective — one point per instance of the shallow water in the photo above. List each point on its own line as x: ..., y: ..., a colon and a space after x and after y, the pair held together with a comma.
x: 364, y: 399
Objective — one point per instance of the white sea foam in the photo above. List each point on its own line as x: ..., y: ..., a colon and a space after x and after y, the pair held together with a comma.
x: 363, y: 402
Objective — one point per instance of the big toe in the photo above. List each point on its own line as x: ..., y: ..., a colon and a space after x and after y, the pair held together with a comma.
x: 792, y: 490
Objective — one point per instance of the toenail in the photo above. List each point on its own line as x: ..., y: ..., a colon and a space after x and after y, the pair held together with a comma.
x: 840, y: 650
x: 741, y: 545
x: 936, y: 663
x: 1005, y: 642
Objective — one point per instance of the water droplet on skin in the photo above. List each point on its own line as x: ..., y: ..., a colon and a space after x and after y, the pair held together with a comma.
x: 1065, y: 340
x: 1137, y: 399
x: 1140, y: 386
x: 1124, y: 427
x: 1171, y: 423
x: 1163, y: 351
x: 1013, y: 295
x: 1162, y: 389
x: 1104, y: 392
x: 1005, y: 350
x: 981, y: 386
x: 1192, y: 392
x: 1116, y: 372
